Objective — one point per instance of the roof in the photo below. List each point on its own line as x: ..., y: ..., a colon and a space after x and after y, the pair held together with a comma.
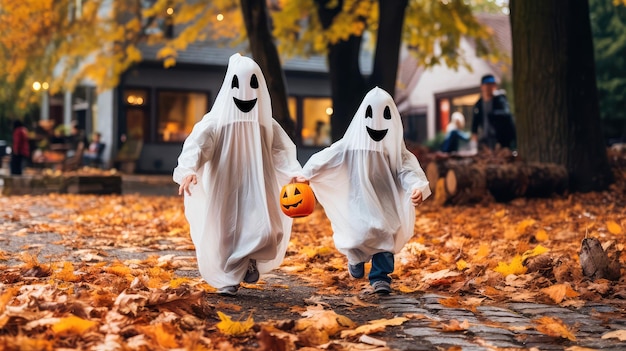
x: 216, y: 54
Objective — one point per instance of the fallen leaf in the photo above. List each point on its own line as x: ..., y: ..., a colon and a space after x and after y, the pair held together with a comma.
x: 553, y: 327
x: 541, y: 235
x: 444, y: 273
x: 558, y: 292
x: 515, y: 267
x: 454, y: 325
x: 374, y: 326
x: 72, y: 325
x: 617, y: 334
x: 230, y: 327
x: 613, y: 227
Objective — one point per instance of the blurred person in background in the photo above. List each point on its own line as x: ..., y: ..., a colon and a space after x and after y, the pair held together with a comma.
x: 20, y: 153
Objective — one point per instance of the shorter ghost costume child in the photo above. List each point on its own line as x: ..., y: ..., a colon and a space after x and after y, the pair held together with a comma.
x: 241, y: 157
x: 364, y: 182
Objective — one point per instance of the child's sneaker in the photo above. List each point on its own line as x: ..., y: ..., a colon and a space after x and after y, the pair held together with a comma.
x: 230, y: 290
x: 381, y: 287
x: 357, y: 270
x: 252, y: 275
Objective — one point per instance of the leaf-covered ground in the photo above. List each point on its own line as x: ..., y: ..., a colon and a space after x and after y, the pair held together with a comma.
x: 118, y: 273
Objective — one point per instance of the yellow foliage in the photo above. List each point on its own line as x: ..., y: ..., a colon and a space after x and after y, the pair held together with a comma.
x: 515, y: 267
x: 553, y: 327
x: 538, y: 250
x: 483, y: 251
x: 6, y: 297
x: 613, y: 227
x: 230, y: 327
x: 72, y: 325
x: 461, y: 265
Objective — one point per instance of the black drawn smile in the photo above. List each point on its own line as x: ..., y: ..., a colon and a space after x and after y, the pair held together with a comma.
x: 244, y: 105
x: 376, y: 135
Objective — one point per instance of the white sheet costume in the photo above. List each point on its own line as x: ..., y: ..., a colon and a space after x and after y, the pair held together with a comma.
x: 241, y: 157
x: 364, y: 182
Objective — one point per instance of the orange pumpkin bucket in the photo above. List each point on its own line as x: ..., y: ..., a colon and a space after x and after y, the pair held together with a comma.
x: 297, y: 200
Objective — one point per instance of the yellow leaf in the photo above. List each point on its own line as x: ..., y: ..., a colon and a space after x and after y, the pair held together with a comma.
x: 553, y: 327
x: 515, y: 267
x: 558, y: 292
x: 618, y: 334
x: 230, y: 327
x: 374, y: 326
x: 67, y: 273
x: 324, y: 320
x: 461, y: 265
x: 164, y: 335
x: 72, y: 325
x: 521, y: 226
x: 483, y: 251
x: 541, y: 235
x: 538, y: 250
x: 613, y: 227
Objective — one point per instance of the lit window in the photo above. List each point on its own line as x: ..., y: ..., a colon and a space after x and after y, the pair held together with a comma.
x: 178, y: 112
x: 316, y: 114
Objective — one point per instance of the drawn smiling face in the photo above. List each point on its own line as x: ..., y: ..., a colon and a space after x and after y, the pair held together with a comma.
x: 245, y: 106
x: 376, y: 134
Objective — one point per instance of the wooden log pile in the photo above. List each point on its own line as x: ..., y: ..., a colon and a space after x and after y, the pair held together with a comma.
x: 456, y: 179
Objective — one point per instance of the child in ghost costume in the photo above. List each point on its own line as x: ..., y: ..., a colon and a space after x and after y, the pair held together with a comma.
x: 230, y: 171
x: 368, y: 184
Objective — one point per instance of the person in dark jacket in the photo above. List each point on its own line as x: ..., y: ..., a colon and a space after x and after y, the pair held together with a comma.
x: 20, y: 152
x: 492, y: 122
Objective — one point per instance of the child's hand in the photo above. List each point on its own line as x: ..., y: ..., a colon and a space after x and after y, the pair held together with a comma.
x: 184, y: 186
x: 416, y: 197
x: 299, y: 179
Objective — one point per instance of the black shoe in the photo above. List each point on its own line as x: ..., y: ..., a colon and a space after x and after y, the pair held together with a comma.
x: 230, y: 290
x: 252, y: 275
x: 357, y: 270
x: 381, y: 287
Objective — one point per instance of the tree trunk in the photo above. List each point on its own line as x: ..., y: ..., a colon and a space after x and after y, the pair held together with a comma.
x: 557, y: 111
x: 390, y: 26
x: 347, y: 84
x: 264, y: 51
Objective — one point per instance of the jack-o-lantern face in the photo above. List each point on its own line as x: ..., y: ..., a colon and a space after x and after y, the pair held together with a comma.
x: 297, y: 200
x: 377, y: 134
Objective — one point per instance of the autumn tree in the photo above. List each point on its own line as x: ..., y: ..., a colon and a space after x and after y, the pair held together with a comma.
x: 557, y: 112
x: 342, y: 29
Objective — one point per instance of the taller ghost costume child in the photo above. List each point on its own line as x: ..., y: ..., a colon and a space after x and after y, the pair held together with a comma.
x: 365, y: 182
x: 240, y: 157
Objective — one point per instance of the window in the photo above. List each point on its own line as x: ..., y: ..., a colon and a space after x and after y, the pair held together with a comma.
x: 316, y: 113
x: 137, y: 114
x: 178, y: 112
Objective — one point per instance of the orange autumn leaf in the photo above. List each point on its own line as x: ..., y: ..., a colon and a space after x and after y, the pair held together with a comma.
x: 66, y: 273
x: 162, y: 334
x: 553, y: 327
x: 558, y: 292
x: 374, y: 327
x: 451, y: 302
x: 72, y: 325
x: 613, y: 227
x: 541, y: 235
x: 454, y: 325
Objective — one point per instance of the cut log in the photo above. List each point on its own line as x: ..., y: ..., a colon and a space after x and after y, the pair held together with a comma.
x: 545, y: 179
x: 504, y: 182
x: 438, y: 168
x: 466, y: 184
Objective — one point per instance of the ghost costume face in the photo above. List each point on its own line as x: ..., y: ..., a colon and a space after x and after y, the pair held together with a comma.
x: 364, y: 181
x: 241, y: 157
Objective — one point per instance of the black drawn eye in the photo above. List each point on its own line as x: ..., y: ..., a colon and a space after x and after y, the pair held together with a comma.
x: 254, y: 82
x: 387, y: 113
x: 235, y: 83
x: 368, y: 112
x: 297, y: 192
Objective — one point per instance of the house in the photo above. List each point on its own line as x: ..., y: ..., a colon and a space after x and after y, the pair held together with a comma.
x: 159, y: 106
x: 426, y: 98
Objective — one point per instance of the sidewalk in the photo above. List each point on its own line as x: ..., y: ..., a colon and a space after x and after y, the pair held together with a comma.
x: 149, y: 184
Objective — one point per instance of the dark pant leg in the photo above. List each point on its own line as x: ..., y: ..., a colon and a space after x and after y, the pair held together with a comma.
x: 382, y: 266
x: 16, y: 164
